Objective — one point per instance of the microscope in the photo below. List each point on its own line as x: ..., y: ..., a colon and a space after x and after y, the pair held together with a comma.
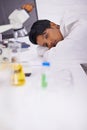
x: 16, y: 20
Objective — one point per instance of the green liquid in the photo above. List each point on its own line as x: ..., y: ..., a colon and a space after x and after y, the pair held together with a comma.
x: 43, y: 81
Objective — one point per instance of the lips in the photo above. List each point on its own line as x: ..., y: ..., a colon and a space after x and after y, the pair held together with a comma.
x: 53, y: 44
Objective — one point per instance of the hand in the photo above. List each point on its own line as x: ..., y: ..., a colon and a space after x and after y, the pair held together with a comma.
x: 28, y: 7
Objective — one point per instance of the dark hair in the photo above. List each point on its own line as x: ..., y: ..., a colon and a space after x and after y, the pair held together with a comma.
x: 37, y: 29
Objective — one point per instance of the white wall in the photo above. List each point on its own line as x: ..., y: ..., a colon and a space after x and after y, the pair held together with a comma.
x: 55, y: 9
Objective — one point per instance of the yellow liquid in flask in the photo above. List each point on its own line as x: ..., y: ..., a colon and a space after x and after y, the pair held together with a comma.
x: 18, y: 76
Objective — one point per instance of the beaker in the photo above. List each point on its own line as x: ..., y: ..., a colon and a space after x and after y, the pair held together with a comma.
x: 14, y: 51
x: 3, y: 56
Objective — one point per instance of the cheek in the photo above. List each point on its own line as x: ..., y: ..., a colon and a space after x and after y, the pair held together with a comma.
x: 53, y: 35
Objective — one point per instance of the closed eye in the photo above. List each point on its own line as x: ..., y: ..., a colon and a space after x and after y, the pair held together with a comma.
x: 45, y: 35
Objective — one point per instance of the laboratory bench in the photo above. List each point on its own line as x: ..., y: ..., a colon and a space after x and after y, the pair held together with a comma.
x: 61, y: 104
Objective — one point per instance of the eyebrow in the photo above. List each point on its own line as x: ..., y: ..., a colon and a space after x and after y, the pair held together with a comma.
x: 44, y: 32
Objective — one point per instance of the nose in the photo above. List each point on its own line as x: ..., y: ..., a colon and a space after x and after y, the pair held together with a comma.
x: 49, y: 43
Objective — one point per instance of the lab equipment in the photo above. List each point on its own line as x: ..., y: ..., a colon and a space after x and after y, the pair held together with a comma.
x: 27, y: 74
x: 17, y: 76
x: 44, y: 82
x: 16, y: 22
x: 17, y: 72
x: 14, y: 50
x: 17, y: 18
x: 3, y: 54
x: 23, y: 44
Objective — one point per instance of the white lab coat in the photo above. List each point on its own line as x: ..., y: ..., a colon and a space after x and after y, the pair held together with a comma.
x: 74, y: 46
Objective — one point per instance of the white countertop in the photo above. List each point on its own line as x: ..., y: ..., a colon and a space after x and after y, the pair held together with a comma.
x: 62, y: 105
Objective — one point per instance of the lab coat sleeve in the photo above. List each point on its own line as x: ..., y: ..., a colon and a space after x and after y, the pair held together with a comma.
x: 41, y: 50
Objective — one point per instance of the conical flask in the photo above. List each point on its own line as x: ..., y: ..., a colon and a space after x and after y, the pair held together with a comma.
x: 18, y: 76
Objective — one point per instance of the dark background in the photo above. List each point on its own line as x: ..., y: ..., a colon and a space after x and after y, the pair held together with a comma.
x: 8, y: 6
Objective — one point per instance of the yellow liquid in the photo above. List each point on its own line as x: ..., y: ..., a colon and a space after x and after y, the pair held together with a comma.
x: 18, y: 76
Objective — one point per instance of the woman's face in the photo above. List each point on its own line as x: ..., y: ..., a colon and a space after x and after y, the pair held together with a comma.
x: 50, y: 36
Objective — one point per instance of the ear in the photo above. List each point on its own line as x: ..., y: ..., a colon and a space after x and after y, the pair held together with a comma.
x: 53, y: 25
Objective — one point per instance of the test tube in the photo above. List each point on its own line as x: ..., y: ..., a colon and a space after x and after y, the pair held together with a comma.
x: 44, y: 79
